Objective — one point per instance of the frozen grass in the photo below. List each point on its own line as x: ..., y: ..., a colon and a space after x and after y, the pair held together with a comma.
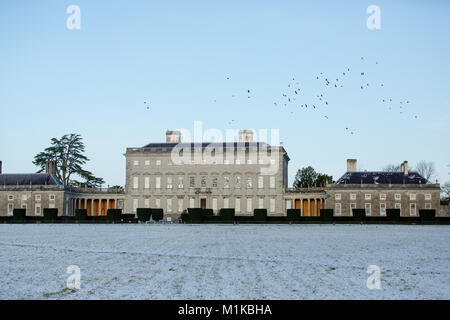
x: 224, y: 261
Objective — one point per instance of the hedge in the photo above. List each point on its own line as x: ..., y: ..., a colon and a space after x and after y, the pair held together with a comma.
x: 114, y: 214
x: 227, y: 214
x: 294, y: 214
x: 326, y: 214
x: 19, y: 214
x: 208, y: 212
x: 359, y: 214
x: 393, y: 214
x: 157, y: 214
x: 427, y: 214
x: 128, y: 216
x: 80, y: 214
x: 195, y: 214
x: 260, y: 214
x: 50, y: 213
x: 144, y: 214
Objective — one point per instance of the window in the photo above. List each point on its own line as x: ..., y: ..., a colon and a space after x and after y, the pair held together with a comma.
x: 237, y: 185
x: 261, y: 161
x: 367, y: 196
x: 37, y: 210
x: 238, y: 205
x: 180, y: 205
x: 169, y: 182
x: 352, y: 206
x: 288, y: 204
x: 226, y: 161
x: 238, y: 161
x: 203, y: 182
x: 24, y: 197
x: 249, y: 161
x: 10, y: 208
x: 51, y: 197
x: 382, y: 209
x: 135, y: 162
x: 368, y: 208
x: 169, y: 205
x: 226, y: 182
x: 397, y: 197
x: 226, y: 202
x: 180, y: 183
x: 147, y: 203
x: 169, y: 162
x: 214, y: 182
x: 382, y: 196
x: 260, y: 182
x: 427, y: 206
x: 135, y: 204
x: 158, y: 182
x: 147, y: 162
x: 158, y: 202
x: 412, y: 196
x: 337, y: 196
x: 338, y: 209
x: 249, y: 205
x: 272, y: 204
x: 398, y: 206
x: 191, y: 182
x: 24, y: 206
x: 147, y: 182
x: 249, y: 182
x: 352, y: 196
x: 158, y: 162
x: 10, y: 197
x: 412, y: 209
x: 261, y: 203
x: 214, y: 204
x: 428, y: 196
x: 192, y: 203
x: 37, y: 198
x: 272, y: 182
x: 135, y: 182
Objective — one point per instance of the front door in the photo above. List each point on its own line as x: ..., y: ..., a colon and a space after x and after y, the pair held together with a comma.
x: 203, y: 203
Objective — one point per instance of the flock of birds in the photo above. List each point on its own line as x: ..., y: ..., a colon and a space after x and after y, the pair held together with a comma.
x: 293, y: 96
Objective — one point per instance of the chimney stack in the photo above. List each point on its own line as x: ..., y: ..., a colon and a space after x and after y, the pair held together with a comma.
x: 50, y: 167
x: 351, y: 165
x: 405, y: 167
x: 173, y: 136
x: 245, y: 136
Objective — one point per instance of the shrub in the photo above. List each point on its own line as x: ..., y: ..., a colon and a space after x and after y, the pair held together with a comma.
x: 326, y: 214
x: 260, y: 214
x: 184, y: 217
x: 19, y: 214
x: 157, y: 214
x: 128, y: 216
x: 359, y: 214
x: 393, y: 214
x: 227, y: 214
x: 195, y: 214
x: 80, y: 214
x: 208, y: 212
x: 114, y: 214
x: 143, y: 214
x: 427, y: 214
x: 50, y: 214
x: 293, y: 214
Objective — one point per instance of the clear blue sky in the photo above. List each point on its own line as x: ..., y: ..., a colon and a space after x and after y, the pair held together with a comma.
x: 177, y: 55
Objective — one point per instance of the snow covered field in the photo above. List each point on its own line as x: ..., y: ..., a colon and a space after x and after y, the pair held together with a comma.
x: 224, y: 261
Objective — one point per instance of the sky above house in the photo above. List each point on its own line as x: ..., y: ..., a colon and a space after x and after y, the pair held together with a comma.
x: 138, y: 68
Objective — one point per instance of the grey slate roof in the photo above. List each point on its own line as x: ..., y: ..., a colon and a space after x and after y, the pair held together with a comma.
x: 206, y: 144
x: 12, y: 179
x: 381, y: 177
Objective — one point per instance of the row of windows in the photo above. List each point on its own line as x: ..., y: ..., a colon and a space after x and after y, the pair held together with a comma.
x: 225, y: 161
x: 172, y: 182
x: 214, y: 201
x: 37, y: 208
x: 368, y: 196
x: 37, y: 197
x: 368, y: 208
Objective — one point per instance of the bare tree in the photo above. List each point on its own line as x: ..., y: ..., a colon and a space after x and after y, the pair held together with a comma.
x: 392, y: 168
x: 426, y: 169
x: 445, y: 190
